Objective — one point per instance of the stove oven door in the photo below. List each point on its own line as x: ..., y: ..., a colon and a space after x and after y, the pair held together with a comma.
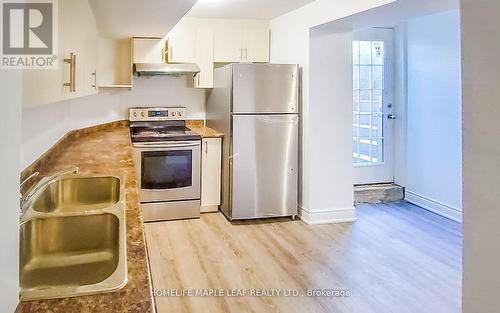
x: 168, y: 171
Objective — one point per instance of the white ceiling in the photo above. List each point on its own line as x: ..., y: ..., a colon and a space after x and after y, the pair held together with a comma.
x: 389, y: 15
x: 128, y: 18
x: 245, y: 9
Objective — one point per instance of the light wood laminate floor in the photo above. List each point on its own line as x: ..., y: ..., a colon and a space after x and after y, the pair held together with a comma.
x: 395, y: 258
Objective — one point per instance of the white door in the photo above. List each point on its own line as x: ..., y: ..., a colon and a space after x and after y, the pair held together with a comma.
x: 373, y: 125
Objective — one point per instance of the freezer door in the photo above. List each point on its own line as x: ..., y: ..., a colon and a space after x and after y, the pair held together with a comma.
x: 264, y: 166
x: 265, y: 88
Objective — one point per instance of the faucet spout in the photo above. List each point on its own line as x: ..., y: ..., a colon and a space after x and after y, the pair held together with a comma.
x: 27, y: 179
x: 42, y: 183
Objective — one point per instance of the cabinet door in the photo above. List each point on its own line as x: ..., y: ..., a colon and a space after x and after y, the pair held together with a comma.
x: 78, y: 35
x: 256, y: 45
x: 87, y: 51
x: 211, y: 174
x: 205, y: 58
x: 182, y: 43
x: 114, y: 68
x: 148, y: 50
x: 229, y: 42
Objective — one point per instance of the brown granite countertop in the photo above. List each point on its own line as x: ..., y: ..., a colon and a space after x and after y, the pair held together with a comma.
x: 202, y: 130
x: 104, y: 150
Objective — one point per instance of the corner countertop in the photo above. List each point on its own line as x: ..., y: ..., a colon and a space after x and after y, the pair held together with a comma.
x: 105, y: 150
x: 202, y: 130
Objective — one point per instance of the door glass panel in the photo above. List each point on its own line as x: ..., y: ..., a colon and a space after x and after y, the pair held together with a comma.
x: 364, y: 101
x: 376, y: 150
x: 355, y: 76
x: 376, y: 101
x: 355, y: 99
x: 355, y: 52
x: 377, y: 77
x: 368, y: 98
x: 166, y: 169
x: 364, y: 77
x: 365, y: 52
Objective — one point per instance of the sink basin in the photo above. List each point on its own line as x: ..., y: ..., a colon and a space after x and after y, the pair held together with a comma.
x: 77, y: 250
x: 76, y: 194
x: 73, y: 240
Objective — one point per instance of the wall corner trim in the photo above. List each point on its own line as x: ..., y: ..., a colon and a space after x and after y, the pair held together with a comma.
x: 327, y: 216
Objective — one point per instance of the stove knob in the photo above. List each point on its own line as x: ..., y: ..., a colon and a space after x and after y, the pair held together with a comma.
x: 173, y: 114
x: 143, y: 114
x: 179, y: 113
x: 135, y: 114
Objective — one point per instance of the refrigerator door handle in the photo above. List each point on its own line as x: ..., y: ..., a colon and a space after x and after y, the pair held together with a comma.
x: 271, y: 119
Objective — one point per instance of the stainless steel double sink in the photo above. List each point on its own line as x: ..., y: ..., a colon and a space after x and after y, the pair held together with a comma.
x: 72, y: 238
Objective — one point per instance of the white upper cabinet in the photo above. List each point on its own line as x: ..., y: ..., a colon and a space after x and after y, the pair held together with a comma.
x: 182, y: 42
x: 241, y: 41
x: 205, y: 58
x: 257, y: 45
x: 233, y: 40
x: 77, y: 35
x: 114, y: 63
x: 209, y: 41
x: 228, y: 45
x: 148, y: 50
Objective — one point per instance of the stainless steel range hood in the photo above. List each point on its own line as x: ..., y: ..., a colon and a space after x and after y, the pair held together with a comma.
x: 152, y: 69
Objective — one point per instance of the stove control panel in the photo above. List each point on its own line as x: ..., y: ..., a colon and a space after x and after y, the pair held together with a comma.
x: 157, y: 114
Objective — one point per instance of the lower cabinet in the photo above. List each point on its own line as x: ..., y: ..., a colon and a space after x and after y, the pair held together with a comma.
x: 211, y: 174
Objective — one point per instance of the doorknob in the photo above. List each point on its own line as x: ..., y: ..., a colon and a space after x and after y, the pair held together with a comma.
x: 391, y: 116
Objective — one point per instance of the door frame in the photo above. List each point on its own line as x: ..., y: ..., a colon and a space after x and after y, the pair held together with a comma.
x: 381, y: 172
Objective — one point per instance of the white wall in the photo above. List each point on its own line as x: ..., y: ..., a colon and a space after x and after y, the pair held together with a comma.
x: 481, y: 153
x: 44, y: 125
x: 290, y: 44
x: 10, y: 127
x: 432, y: 169
x: 330, y: 148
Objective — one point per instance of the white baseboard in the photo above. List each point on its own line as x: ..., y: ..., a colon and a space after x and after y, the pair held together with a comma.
x: 327, y: 216
x: 434, y: 206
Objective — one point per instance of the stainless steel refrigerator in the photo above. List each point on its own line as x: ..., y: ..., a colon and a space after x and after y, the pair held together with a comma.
x: 256, y: 107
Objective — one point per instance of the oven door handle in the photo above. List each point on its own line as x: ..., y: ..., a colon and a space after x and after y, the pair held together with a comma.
x: 176, y: 145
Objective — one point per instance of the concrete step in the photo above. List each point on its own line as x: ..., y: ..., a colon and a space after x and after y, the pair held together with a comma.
x: 377, y: 193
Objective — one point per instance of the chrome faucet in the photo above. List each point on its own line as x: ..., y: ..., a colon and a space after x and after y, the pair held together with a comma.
x: 42, y: 183
x: 33, y: 175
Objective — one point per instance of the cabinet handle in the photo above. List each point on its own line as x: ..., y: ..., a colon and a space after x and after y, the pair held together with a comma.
x: 72, y: 72
x: 95, y: 80
x: 206, y: 147
x: 163, y: 55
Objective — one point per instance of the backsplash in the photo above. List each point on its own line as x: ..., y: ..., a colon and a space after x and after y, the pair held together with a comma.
x: 44, y: 125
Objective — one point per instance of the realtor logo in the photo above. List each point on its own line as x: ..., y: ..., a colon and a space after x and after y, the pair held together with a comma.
x: 29, y: 36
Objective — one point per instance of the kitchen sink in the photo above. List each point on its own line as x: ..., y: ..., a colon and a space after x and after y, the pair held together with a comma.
x: 72, y: 238
x: 76, y: 194
x: 76, y: 250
